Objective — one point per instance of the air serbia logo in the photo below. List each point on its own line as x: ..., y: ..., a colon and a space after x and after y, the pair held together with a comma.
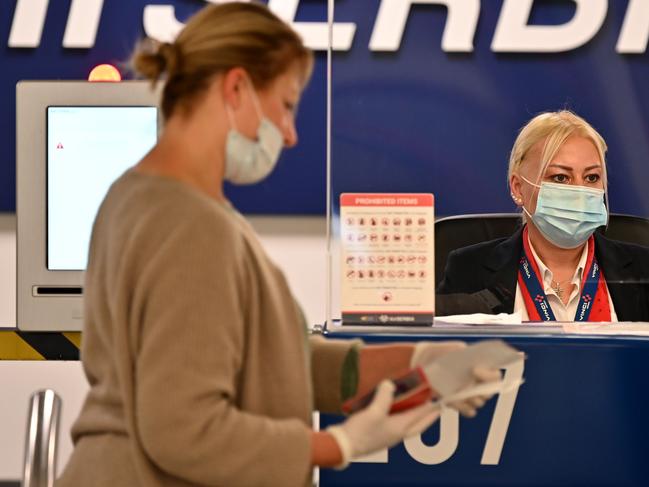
x: 587, y: 299
x: 512, y: 31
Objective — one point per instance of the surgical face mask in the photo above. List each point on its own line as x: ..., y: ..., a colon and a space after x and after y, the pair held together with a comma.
x: 249, y: 161
x: 568, y: 215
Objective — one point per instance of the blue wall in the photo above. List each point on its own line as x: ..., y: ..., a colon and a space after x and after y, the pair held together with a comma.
x: 417, y: 119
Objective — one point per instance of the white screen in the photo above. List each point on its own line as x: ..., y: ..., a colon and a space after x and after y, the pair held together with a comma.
x: 87, y: 149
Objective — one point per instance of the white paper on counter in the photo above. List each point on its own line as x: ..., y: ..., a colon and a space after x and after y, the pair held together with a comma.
x: 628, y: 329
x: 481, y: 319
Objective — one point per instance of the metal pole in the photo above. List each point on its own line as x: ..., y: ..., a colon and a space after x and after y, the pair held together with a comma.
x: 330, y: 23
x: 41, y: 441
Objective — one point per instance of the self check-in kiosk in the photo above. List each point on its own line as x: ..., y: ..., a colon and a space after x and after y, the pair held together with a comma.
x: 73, y: 139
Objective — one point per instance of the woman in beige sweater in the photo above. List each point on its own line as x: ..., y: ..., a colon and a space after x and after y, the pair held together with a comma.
x: 200, y: 367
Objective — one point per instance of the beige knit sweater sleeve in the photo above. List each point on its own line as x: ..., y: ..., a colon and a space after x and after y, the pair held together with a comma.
x: 188, y: 347
x: 331, y: 367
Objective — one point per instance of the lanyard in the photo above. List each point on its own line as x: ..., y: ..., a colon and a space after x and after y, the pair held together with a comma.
x: 534, y: 293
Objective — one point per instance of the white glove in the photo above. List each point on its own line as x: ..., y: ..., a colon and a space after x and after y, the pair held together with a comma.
x: 374, y: 428
x: 426, y: 352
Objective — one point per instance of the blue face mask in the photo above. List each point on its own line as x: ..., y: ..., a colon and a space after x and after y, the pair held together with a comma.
x: 568, y: 215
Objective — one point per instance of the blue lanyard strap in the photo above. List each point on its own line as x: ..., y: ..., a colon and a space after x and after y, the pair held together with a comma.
x: 536, y: 292
x: 588, y: 292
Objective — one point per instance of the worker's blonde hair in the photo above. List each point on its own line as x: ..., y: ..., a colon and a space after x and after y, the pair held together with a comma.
x: 215, y: 40
x: 554, y: 128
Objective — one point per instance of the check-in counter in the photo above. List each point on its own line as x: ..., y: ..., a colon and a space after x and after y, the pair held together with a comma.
x: 580, y: 419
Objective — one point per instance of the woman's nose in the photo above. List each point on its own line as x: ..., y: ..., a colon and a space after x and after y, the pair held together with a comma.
x: 290, y: 134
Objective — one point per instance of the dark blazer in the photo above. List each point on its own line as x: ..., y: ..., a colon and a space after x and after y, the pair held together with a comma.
x: 493, y: 265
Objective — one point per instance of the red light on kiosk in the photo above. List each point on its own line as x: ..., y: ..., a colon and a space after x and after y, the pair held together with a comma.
x: 104, y: 72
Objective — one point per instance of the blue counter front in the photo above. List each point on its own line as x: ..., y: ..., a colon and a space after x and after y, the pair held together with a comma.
x: 580, y: 419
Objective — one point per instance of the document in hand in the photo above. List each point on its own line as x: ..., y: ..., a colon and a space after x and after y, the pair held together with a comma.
x: 449, y: 378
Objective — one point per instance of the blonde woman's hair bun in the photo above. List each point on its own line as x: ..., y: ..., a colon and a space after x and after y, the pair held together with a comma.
x: 153, y: 59
x: 169, y: 54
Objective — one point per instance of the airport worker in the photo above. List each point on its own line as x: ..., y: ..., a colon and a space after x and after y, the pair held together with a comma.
x: 557, y: 267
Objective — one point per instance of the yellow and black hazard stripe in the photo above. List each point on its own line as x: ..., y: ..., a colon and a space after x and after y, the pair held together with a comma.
x: 24, y: 345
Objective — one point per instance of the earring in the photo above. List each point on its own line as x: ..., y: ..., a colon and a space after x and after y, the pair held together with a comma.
x: 516, y: 199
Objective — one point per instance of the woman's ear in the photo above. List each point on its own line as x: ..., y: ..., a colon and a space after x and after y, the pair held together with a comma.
x: 232, y: 83
x: 515, y: 187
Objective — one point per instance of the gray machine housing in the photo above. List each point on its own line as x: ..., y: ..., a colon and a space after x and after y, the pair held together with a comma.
x: 48, y: 300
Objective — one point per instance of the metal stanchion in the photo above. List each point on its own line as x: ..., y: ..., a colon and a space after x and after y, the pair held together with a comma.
x: 40, y: 445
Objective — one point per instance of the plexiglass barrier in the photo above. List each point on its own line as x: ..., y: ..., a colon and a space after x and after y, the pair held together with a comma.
x: 427, y: 98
